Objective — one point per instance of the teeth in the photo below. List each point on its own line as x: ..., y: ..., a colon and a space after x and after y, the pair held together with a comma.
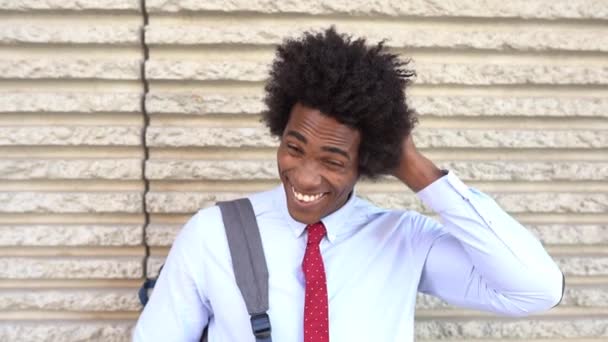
x: 306, y: 198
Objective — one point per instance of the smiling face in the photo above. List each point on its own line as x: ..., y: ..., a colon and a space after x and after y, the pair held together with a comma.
x: 318, y: 163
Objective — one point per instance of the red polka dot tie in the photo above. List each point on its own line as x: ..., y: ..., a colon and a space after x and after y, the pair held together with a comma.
x: 316, y: 322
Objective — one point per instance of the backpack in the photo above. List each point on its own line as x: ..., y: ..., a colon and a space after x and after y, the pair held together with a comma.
x: 248, y: 263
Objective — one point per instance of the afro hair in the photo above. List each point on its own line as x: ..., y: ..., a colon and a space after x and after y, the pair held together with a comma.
x: 360, y: 86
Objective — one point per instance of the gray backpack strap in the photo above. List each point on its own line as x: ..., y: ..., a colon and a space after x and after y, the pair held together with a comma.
x: 248, y: 262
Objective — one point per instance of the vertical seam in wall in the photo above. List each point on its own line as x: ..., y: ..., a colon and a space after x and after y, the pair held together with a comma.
x: 146, y: 123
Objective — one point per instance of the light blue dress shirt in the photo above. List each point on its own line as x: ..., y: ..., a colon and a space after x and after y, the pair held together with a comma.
x: 376, y: 260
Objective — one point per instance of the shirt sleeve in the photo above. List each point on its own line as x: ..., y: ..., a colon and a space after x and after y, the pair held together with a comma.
x: 485, y: 259
x: 177, y: 309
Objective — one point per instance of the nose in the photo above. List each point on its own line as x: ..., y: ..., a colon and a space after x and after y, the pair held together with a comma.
x: 307, y: 177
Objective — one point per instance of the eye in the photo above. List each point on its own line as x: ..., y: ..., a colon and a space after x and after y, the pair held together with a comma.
x: 294, y: 149
x: 334, y: 163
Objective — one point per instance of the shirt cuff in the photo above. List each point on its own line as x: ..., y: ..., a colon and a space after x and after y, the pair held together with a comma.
x: 444, y: 193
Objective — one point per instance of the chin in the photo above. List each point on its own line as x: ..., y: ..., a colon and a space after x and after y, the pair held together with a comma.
x: 302, y: 217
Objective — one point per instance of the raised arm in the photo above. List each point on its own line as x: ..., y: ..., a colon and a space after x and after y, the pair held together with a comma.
x: 485, y: 259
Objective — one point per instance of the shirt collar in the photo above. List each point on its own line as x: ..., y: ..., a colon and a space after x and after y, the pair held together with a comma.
x: 333, y: 222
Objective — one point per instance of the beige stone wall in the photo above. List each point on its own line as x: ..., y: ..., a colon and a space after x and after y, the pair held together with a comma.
x: 120, y: 118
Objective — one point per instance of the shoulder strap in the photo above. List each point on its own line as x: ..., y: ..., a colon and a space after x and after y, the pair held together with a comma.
x: 248, y: 262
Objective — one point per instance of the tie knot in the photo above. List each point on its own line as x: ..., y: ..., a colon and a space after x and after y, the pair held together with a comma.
x: 316, y: 232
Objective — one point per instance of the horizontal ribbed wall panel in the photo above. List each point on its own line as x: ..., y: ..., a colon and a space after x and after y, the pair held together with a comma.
x: 512, y: 97
x: 71, y: 169
x: 474, y: 72
x: 475, y: 104
x: 558, y: 9
x: 401, y: 34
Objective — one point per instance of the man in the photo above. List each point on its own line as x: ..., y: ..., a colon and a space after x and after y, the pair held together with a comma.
x: 340, y: 268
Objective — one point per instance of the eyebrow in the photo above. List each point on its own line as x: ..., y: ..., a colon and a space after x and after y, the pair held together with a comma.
x: 335, y: 150
x: 331, y: 149
x: 298, y: 136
